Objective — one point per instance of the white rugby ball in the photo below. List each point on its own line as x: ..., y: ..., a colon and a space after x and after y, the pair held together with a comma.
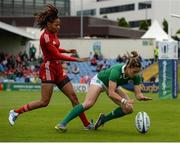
x: 142, y: 122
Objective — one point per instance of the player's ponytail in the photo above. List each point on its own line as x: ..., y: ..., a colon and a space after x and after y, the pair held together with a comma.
x: 49, y: 14
x: 134, y: 61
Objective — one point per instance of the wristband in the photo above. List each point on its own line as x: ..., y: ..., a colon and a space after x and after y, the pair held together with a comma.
x: 123, y: 101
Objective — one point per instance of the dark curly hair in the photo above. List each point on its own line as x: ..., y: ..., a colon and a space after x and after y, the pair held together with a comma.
x: 49, y: 14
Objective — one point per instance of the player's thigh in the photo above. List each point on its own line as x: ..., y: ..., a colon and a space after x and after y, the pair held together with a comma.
x: 69, y: 92
x: 68, y: 89
x: 92, y: 95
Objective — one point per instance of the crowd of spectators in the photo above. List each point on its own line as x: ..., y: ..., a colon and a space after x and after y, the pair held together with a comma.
x: 98, y: 61
x: 19, y: 68
x: 121, y: 59
x: 25, y: 67
x: 85, y: 79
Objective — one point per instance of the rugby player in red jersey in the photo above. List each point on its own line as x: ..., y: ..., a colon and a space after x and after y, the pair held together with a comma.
x: 51, y: 71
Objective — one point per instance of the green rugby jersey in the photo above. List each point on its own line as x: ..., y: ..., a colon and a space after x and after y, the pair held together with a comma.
x: 116, y: 74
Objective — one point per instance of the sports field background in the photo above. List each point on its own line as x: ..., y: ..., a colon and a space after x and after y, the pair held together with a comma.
x: 38, y: 125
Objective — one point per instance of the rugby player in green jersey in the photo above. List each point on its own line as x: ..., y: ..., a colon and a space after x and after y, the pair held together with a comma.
x: 110, y: 80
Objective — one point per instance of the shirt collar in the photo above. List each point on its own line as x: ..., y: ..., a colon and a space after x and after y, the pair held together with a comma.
x: 123, y: 71
x: 123, y: 68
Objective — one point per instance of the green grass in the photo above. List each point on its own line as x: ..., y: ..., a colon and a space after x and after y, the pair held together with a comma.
x: 38, y: 125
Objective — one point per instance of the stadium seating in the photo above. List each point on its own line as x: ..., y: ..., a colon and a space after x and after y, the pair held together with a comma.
x: 86, y: 69
x: 10, y: 73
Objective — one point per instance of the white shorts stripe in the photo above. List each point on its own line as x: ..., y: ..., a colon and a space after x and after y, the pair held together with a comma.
x: 48, y: 75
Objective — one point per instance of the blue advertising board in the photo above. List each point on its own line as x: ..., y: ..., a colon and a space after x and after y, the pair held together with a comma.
x: 168, y: 85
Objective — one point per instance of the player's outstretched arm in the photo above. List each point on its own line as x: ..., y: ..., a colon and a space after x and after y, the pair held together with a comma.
x: 62, y: 50
x: 142, y: 97
x: 82, y: 59
x: 139, y: 95
x: 72, y: 51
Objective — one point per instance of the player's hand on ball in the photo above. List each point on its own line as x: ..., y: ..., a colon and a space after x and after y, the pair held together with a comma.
x: 83, y: 59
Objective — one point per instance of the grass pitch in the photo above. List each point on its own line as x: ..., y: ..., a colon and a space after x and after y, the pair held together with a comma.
x: 38, y: 125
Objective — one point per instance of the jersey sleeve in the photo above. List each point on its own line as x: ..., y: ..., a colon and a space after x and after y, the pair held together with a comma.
x: 46, y: 40
x: 114, y: 75
x: 137, y: 80
x: 57, y: 55
x: 62, y: 50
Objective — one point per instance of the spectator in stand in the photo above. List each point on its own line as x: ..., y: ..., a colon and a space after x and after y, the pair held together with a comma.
x: 75, y: 69
x: 99, y: 67
x: 106, y: 64
x: 24, y: 56
x: 18, y: 60
x: 156, y: 53
x: 119, y: 59
x: 32, y: 53
x: 153, y: 79
x: 93, y: 61
x: 124, y: 58
x: 5, y: 62
x: 84, y: 79
x: 96, y: 56
x: 1, y: 67
x: 87, y: 79
x: 27, y: 78
x: 91, y: 55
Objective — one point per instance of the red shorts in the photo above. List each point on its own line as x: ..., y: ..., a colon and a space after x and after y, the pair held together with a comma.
x: 52, y: 72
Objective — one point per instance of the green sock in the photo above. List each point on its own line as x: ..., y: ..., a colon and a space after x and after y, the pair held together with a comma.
x: 114, y: 114
x: 78, y: 109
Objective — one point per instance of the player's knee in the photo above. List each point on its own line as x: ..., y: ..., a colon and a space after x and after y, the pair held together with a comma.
x: 44, y: 103
x: 87, y: 104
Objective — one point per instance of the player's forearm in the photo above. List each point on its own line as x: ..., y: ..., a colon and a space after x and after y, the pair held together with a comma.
x: 66, y: 58
x: 62, y: 50
x: 56, y: 55
x: 122, y: 93
x: 113, y: 95
x: 138, y: 92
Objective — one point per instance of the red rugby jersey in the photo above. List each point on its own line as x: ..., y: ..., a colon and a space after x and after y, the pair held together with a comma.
x: 50, y: 47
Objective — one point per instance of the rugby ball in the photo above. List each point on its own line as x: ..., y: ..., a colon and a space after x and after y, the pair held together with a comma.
x: 142, y: 122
